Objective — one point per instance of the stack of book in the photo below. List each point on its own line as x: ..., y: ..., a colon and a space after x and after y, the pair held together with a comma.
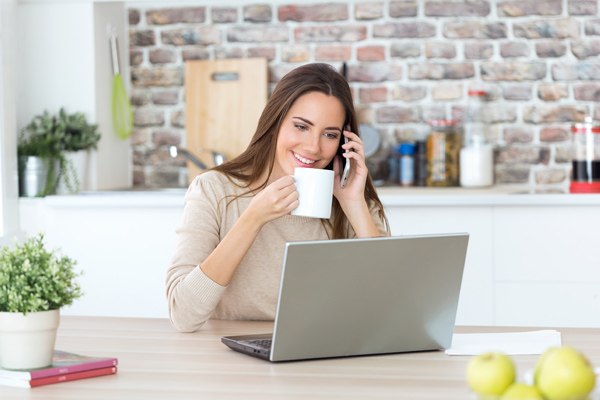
x: 65, y: 367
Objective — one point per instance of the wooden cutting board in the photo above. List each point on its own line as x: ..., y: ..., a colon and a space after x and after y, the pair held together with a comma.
x: 224, y: 100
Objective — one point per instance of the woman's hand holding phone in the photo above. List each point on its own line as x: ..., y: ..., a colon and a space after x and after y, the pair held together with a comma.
x: 346, y: 164
x: 352, y: 195
x: 357, y: 172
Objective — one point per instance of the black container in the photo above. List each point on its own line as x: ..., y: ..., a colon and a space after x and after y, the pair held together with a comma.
x: 394, y: 165
x: 420, y: 163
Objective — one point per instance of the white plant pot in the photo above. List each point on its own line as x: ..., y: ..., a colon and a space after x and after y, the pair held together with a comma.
x: 27, y: 341
x: 82, y: 163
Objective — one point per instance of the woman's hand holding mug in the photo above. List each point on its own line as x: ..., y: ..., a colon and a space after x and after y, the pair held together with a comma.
x: 274, y: 201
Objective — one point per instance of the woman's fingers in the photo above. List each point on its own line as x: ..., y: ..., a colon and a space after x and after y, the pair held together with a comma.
x: 355, y: 143
x: 355, y: 146
x: 285, y: 195
x: 282, y: 182
x: 276, y: 200
x: 358, y: 153
x: 292, y: 201
x: 352, y: 136
x: 280, y: 198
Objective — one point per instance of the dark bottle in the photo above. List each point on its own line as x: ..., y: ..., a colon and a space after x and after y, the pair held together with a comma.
x: 394, y: 165
x: 420, y: 163
x: 584, y: 171
x: 585, y: 175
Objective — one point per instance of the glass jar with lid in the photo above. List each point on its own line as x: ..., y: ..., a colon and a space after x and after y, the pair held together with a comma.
x: 477, y: 155
x: 585, y: 176
x: 443, y: 150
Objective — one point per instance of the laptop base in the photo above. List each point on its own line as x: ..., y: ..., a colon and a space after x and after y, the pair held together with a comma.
x: 252, y: 345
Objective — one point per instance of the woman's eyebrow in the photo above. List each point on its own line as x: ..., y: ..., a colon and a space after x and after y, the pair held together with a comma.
x: 335, y: 128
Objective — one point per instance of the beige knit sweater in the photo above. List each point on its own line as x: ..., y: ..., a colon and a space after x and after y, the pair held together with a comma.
x: 252, y: 292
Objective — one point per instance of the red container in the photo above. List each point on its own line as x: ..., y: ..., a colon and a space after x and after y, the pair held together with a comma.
x: 585, y: 175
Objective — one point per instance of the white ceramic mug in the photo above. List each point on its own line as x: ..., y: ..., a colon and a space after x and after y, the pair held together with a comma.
x: 315, y: 192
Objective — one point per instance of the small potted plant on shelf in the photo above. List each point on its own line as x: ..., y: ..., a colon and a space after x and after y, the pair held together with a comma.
x: 78, y: 138
x: 34, y: 284
x: 37, y: 149
x: 76, y: 133
x: 62, y: 143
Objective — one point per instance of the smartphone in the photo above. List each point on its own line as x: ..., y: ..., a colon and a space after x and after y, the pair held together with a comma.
x: 346, y: 164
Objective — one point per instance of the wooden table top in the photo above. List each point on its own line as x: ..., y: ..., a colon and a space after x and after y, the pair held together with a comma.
x: 157, y: 362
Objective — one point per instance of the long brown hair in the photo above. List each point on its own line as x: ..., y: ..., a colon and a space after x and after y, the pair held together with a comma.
x: 260, y: 154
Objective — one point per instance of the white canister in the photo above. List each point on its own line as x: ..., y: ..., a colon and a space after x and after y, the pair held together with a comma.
x: 477, y: 166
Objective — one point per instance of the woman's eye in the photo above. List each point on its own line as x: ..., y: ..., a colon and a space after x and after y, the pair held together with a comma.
x: 301, y: 127
x: 331, y: 135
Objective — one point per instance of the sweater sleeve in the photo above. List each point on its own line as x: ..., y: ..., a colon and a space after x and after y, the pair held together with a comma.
x: 380, y: 223
x: 382, y: 226
x: 191, y: 295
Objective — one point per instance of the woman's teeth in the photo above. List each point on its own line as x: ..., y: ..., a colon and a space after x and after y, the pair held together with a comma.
x: 304, y: 160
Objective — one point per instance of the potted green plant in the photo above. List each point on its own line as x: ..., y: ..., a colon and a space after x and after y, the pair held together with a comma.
x: 78, y: 138
x: 37, y: 149
x: 34, y: 284
x: 63, y: 142
x: 75, y: 132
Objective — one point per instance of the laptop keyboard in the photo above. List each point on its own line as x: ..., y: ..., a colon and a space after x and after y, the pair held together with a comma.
x: 261, y: 343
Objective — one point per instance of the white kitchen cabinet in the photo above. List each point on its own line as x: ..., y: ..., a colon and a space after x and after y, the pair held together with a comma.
x: 547, y: 266
x: 551, y: 304
x: 547, y: 244
x: 532, y: 259
x: 475, y: 302
x: 123, y: 248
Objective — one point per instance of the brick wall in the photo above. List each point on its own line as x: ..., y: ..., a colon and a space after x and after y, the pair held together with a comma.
x: 409, y: 62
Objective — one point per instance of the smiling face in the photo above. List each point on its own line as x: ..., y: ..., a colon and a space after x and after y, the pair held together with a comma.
x: 309, y: 135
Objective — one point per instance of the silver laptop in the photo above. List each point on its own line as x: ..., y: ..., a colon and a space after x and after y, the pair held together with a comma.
x: 353, y: 297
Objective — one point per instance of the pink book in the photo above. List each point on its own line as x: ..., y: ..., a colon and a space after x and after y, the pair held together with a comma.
x: 58, y: 378
x: 62, y: 363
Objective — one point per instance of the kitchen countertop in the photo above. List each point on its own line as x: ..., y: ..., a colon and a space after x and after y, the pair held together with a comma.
x: 390, y: 197
x: 494, y: 196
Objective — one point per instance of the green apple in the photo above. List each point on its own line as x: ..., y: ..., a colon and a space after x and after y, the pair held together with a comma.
x: 521, y: 391
x: 541, y: 361
x: 490, y: 373
x: 563, y: 373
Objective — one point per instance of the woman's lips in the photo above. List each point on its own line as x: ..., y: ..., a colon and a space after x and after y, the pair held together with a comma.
x: 304, y: 162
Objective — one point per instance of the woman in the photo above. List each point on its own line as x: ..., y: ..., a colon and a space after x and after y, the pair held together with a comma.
x: 236, y: 218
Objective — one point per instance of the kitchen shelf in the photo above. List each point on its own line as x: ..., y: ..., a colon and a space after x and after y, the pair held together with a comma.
x: 495, y: 196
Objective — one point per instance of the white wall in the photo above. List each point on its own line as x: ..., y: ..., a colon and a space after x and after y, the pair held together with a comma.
x: 57, y: 59
x: 9, y: 222
x: 64, y: 61
x: 114, y: 166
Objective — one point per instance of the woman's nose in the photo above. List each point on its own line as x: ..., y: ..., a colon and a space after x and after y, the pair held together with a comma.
x: 312, y: 143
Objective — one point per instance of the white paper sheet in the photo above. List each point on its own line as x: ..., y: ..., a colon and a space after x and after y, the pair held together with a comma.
x: 511, y: 343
